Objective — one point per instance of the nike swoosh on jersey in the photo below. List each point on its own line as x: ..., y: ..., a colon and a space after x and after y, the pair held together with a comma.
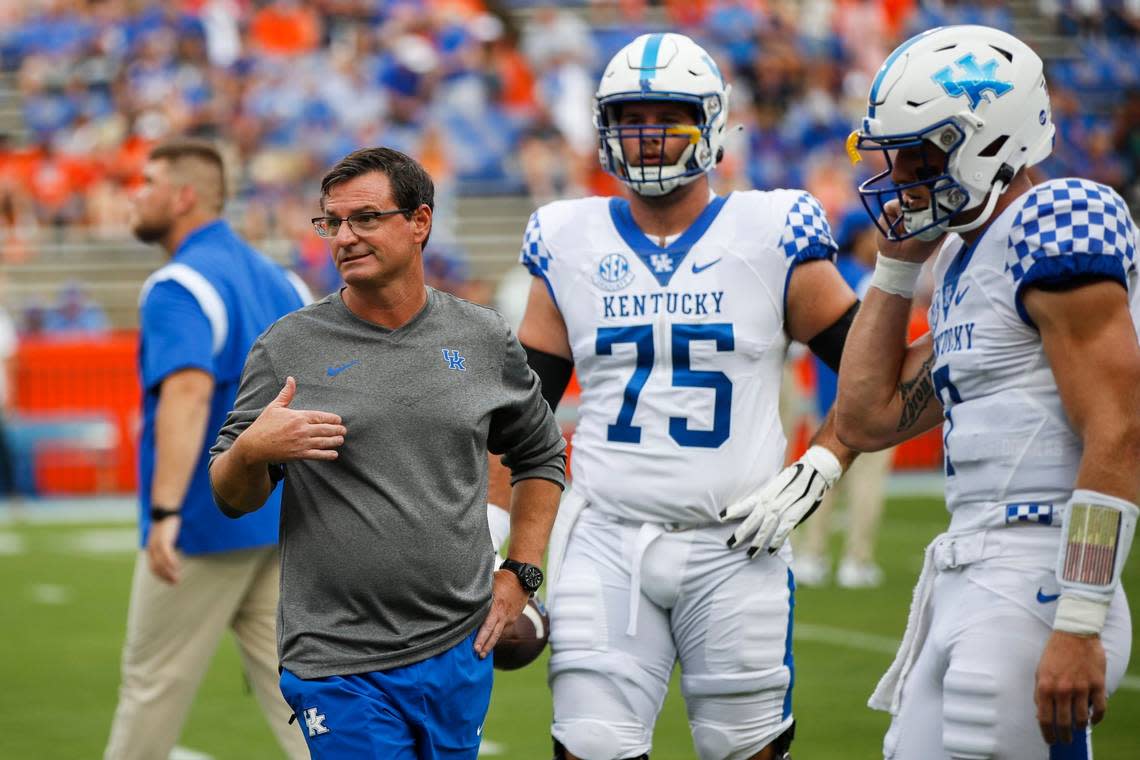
x: 959, y: 296
x: 334, y: 371
x: 1046, y: 598
x: 699, y: 269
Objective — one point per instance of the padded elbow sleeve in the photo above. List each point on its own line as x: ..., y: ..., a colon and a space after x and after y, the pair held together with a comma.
x: 553, y: 374
x: 828, y: 344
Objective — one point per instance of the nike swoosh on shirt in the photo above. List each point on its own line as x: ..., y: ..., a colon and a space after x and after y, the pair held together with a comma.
x: 1046, y: 598
x: 699, y: 269
x: 334, y: 371
x: 959, y: 296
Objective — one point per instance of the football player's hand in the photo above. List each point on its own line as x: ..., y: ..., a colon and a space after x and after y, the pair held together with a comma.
x: 912, y: 249
x: 783, y: 502
x: 1070, y: 685
x: 507, y: 601
x: 281, y: 434
x: 161, y: 555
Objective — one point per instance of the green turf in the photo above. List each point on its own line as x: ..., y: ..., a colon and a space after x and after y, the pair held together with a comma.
x: 63, y: 615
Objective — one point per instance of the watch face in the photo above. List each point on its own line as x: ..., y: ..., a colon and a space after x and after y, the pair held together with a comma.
x: 531, y: 577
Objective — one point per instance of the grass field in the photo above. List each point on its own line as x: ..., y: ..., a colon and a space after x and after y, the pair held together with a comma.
x: 64, y: 607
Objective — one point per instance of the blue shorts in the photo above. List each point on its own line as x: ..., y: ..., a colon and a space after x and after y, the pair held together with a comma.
x: 430, y: 710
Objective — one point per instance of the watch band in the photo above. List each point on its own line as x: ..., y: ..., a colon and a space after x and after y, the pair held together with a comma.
x: 158, y: 514
x: 530, y: 577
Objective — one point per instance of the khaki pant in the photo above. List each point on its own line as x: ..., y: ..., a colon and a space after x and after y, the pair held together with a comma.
x: 173, y: 631
x: 864, y: 486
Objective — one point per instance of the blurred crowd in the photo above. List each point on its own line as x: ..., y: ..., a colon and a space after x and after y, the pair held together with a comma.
x: 491, y: 97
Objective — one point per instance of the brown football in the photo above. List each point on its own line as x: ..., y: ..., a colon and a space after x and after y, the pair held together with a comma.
x: 523, y: 641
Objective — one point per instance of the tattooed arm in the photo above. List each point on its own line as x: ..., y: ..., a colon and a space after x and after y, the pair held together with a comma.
x: 886, y: 394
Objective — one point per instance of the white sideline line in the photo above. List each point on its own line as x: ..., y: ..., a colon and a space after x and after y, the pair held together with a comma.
x: 52, y: 511
x: 49, y: 593
x: 872, y: 642
x: 11, y: 544
x: 124, y: 508
x: 825, y: 634
x: 491, y: 748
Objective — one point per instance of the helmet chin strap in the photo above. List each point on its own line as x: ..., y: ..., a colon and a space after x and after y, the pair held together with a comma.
x: 922, y: 217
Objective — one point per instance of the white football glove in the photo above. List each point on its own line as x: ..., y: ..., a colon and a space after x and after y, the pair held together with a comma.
x: 784, y: 501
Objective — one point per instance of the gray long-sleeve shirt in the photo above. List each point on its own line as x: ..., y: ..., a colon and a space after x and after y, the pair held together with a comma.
x: 385, y: 553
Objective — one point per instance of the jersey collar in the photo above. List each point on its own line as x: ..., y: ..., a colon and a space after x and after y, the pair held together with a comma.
x: 662, y: 263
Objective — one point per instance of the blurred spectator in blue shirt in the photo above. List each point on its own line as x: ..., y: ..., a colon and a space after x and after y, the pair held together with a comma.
x: 75, y: 312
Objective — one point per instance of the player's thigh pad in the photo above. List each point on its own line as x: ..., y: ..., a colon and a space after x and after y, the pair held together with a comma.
x: 976, y: 674
x: 607, y: 686
x: 732, y: 625
x: 988, y: 707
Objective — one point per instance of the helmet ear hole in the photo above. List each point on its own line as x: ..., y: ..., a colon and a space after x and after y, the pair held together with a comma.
x: 719, y: 155
x: 994, y: 147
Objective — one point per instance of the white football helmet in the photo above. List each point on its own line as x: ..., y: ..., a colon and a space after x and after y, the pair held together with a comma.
x: 662, y: 67
x: 977, y: 94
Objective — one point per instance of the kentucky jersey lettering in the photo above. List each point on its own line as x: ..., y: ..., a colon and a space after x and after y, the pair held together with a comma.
x: 679, y: 361
x: 639, y: 304
x: 1007, y: 438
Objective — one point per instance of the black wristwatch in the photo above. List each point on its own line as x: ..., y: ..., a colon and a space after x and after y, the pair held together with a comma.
x: 530, y: 576
x: 158, y: 514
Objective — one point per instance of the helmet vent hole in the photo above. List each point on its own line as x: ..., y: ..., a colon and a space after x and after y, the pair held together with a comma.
x: 1008, y: 55
x: 992, y: 149
x: 947, y: 47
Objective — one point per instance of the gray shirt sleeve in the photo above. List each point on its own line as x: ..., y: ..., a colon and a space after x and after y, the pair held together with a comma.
x: 259, y: 386
x: 523, y: 428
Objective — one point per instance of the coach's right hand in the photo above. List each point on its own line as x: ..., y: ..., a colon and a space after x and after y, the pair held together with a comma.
x: 507, y: 602
x: 281, y: 434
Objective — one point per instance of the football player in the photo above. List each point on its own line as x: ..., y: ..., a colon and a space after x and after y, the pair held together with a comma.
x: 1033, y: 367
x: 676, y: 306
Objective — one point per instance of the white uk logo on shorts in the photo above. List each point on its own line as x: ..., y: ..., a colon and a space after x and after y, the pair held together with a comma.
x: 315, y: 722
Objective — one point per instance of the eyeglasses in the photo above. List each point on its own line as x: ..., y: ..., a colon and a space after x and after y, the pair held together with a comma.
x: 363, y: 221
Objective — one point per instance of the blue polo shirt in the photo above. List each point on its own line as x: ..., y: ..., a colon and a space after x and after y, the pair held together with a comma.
x: 204, y: 310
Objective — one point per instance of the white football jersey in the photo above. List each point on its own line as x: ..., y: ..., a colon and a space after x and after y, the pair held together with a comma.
x: 679, y: 350
x: 1011, y: 454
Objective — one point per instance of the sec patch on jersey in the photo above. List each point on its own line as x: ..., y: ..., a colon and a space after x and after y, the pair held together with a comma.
x: 523, y: 641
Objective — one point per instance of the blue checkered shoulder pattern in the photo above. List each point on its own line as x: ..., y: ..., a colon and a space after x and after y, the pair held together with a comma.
x: 1071, y: 227
x: 807, y: 235
x: 534, y: 255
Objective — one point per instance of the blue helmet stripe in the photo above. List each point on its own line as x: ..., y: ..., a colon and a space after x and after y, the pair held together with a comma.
x: 649, y: 59
x: 886, y: 67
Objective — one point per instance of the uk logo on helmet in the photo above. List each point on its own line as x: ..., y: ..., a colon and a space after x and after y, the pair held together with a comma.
x: 972, y: 80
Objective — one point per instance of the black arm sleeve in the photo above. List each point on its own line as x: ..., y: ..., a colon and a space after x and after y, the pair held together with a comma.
x: 553, y: 372
x: 828, y: 344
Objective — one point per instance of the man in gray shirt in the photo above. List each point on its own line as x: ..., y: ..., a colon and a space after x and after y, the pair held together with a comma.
x: 389, y: 598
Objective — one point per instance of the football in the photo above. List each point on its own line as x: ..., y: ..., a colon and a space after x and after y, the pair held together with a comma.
x: 523, y: 641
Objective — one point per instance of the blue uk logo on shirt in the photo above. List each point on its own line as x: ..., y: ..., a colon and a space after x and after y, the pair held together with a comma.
x: 455, y: 360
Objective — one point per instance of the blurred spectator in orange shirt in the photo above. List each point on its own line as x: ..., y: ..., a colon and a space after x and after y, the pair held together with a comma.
x: 285, y: 28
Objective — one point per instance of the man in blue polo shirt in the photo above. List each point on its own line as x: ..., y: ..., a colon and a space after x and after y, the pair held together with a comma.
x: 198, y: 572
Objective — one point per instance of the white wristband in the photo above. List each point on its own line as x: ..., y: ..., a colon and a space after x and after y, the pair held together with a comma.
x: 1084, y: 617
x: 896, y: 277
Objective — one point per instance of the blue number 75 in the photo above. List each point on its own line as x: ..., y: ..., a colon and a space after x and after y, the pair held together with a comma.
x: 623, y: 430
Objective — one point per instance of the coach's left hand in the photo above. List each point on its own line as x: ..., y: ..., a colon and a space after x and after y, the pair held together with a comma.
x: 1070, y: 680
x: 784, y: 501
x: 507, y: 601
